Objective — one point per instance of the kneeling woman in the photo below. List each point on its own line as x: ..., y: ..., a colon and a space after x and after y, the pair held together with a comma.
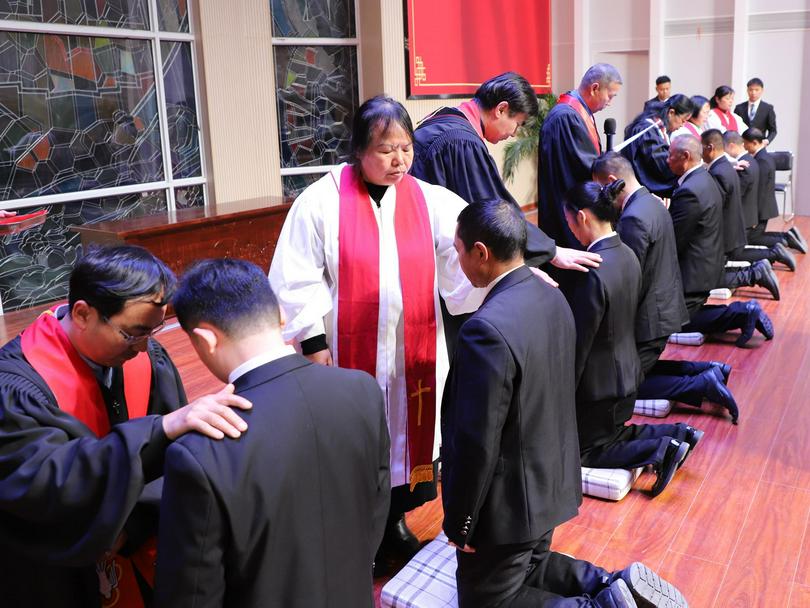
x: 604, y: 302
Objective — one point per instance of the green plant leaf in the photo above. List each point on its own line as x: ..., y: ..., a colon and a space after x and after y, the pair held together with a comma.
x: 524, y: 144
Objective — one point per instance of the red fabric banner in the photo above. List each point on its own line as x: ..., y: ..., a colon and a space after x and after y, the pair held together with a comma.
x: 455, y: 45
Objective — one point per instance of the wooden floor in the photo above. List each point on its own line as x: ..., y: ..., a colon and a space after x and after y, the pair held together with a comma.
x: 732, y: 528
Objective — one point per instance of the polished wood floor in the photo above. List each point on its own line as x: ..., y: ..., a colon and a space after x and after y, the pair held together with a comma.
x: 732, y: 530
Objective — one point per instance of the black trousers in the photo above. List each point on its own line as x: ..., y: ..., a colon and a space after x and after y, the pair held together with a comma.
x: 758, y: 236
x: 633, y: 446
x: 526, y: 575
x: 741, y: 254
x: 666, y: 379
x: 713, y: 318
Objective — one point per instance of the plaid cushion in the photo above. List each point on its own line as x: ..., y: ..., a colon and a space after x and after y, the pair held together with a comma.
x: 611, y: 484
x: 721, y: 293
x: 691, y: 339
x: 657, y: 408
x: 427, y: 581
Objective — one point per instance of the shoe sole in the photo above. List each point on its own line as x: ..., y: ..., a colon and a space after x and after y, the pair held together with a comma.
x: 650, y: 590
x: 683, y: 450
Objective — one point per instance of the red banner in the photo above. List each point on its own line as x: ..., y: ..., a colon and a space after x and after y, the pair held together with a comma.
x: 455, y: 45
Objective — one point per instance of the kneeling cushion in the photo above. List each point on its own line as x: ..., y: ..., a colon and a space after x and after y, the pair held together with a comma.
x: 610, y: 484
x: 427, y: 581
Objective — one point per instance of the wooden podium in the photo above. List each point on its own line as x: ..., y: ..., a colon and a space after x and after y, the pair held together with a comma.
x: 244, y: 229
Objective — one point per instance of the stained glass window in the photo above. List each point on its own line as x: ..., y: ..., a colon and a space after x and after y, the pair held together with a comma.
x: 173, y: 15
x: 130, y: 14
x: 190, y: 196
x: 184, y: 131
x: 35, y: 263
x: 317, y: 97
x: 295, y: 184
x: 76, y: 113
x: 313, y: 18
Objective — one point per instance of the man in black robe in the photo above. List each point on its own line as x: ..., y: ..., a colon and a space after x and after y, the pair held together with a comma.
x: 88, y: 405
x: 569, y: 143
x: 450, y: 150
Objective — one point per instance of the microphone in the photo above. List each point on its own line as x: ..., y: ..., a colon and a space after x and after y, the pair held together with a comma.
x: 610, y: 131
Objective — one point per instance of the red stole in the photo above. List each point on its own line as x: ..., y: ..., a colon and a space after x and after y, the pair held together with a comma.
x: 692, y: 129
x: 571, y: 100
x: 472, y: 112
x: 47, y: 348
x: 726, y: 119
x: 359, y: 302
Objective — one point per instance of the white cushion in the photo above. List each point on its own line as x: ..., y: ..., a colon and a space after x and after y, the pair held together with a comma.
x: 610, y: 484
x: 427, y: 581
x: 693, y: 338
x: 737, y: 264
x: 657, y: 408
x: 721, y: 293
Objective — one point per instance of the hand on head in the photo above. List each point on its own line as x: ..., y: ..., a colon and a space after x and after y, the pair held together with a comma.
x: 211, y: 415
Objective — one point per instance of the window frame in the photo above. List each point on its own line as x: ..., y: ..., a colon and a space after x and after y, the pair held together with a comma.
x: 315, y: 41
x: 156, y: 37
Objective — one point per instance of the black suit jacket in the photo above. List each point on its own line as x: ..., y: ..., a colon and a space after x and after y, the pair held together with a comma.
x: 749, y: 190
x: 764, y: 119
x: 645, y: 227
x: 766, y: 205
x: 291, y: 513
x: 725, y: 175
x: 604, y: 302
x: 510, y: 456
x: 697, y: 211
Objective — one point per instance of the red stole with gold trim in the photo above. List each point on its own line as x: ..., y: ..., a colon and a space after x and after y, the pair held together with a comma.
x: 48, y: 349
x: 726, y: 119
x: 571, y: 100
x: 359, y: 301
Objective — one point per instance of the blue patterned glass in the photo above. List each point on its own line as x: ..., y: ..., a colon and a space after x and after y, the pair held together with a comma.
x: 181, y: 106
x: 313, y: 18
x: 76, y: 113
x: 130, y: 14
x: 173, y: 15
x: 317, y: 97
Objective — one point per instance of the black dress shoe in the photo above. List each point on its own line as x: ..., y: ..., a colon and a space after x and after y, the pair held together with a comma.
x: 794, y: 230
x: 794, y: 243
x: 752, y: 309
x: 676, y: 452
x: 762, y: 275
x: 691, y: 435
x: 715, y: 390
x: 650, y: 590
x: 781, y: 254
x: 725, y: 368
x: 765, y: 325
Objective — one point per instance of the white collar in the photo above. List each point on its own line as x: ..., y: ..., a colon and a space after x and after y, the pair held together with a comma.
x: 602, y: 238
x: 259, y: 360
x: 497, y: 280
x: 684, y: 176
x: 627, y: 198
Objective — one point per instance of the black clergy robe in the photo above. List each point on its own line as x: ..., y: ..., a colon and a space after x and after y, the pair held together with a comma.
x: 648, y: 155
x: 566, y: 154
x: 448, y: 152
x: 65, y: 494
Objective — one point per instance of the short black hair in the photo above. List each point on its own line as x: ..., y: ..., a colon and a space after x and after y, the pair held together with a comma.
x: 719, y: 93
x: 511, y: 88
x: 662, y: 80
x: 378, y: 112
x: 755, y: 82
x: 713, y: 137
x: 732, y: 137
x: 596, y: 198
x: 698, y: 101
x: 232, y: 295
x: 612, y: 163
x: 753, y: 134
x: 108, y: 277
x: 498, y: 224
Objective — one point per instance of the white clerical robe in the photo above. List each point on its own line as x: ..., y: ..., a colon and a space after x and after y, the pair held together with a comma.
x: 304, y: 276
x: 714, y: 122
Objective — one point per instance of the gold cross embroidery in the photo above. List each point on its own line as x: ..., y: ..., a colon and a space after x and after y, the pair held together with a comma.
x: 418, y: 393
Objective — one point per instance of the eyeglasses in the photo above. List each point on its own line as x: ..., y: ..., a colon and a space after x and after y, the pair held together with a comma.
x: 129, y: 338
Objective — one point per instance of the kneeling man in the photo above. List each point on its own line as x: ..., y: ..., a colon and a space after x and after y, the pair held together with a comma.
x: 510, y: 454
x: 292, y: 513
